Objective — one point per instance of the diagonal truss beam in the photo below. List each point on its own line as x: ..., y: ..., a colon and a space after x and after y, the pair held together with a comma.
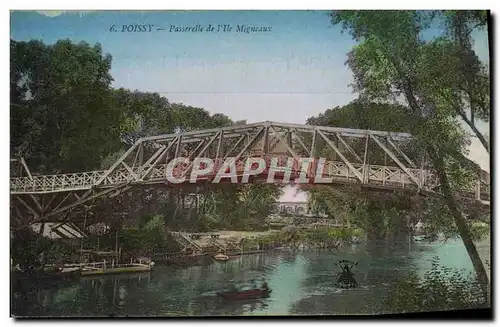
x: 339, y: 153
x: 190, y: 165
x: 250, y: 143
x: 121, y: 188
x: 292, y: 152
x: 396, y: 160
x: 119, y: 161
x: 242, y: 137
x: 25, y: 166
x: 312, y: 153
x: 299, y: 139
x: 33, y: 211
x: 159, y: 155
x: 408, y: 160
x: 130, y: 171
x: 348, y: 147
x: 38, y: 205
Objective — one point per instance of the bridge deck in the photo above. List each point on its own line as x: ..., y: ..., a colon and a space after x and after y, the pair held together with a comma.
x: 352, y: 167
x: 381, y: 177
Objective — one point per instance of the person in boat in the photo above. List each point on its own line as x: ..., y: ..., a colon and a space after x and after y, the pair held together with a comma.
x: 265, y: 286
x: 346, y: 277
x: 233, y: 288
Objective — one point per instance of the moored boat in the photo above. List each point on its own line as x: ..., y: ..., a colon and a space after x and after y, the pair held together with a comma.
x: 248, y: 294
x: 117, y: 269
x: 221, y: 257
x: 103, y: 268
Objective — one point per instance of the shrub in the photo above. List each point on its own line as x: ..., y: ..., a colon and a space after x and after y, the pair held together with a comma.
x: 441, y: 288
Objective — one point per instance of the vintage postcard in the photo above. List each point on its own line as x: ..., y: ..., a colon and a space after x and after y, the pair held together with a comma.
x: 234, y: 163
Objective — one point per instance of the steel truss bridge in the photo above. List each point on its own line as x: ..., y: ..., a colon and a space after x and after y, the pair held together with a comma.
x: 370, y: 159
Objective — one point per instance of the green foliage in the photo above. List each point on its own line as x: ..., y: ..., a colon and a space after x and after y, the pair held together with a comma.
x: 63, y: 116
x: 441, y: 288
x: 238, y: 207
x: 313, y: 237
x: 207, y: 222
x: 111, y: 158
x: 479, y: 230
x: 255, y: 202
x: 438, y: 220
x: 157, y: 222
x: 150, y: 237
x: 30, y: 249
x: 393, y: 58
x: 364, y: 115
x: 395, y: 61
x: 378, y: 214
x: 470, y: 78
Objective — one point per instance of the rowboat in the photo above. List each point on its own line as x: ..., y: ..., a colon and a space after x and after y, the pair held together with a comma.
x: 243, y: 295
x: 221, y: 257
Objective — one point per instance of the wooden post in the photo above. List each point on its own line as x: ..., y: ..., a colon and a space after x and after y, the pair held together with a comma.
x: 366, y: 166
x: 422, y: 175
x: 196, y: 200
x: 116, y: 245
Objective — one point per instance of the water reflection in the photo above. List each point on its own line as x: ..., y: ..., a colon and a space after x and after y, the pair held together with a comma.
x: 302, y: 283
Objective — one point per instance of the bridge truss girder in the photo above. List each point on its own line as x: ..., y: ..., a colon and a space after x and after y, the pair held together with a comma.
x: 110, y: 205
x: 373, y: 159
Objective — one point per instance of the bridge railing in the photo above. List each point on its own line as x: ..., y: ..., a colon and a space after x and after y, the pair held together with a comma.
x: 55, y: 182
x: 354, y: 173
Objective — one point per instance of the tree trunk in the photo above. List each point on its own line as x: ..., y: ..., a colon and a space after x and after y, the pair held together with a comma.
x: 461, y: 224
x: 478, y: 134
x: 463, y: 229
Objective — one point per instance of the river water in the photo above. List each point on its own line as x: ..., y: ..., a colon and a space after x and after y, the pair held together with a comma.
x: 302, y: 284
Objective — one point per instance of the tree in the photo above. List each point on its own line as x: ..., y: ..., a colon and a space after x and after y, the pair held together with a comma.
x: 359, y: 114
x: 256, y: 201
x: 471, y: 81
x: 147, y: 112
x: 151, y: 114
x: 372, y: 211
x: 392, y: 59
x: 63, y: 115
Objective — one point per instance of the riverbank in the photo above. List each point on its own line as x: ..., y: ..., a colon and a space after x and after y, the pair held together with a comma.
x: 235, y: 243
x: 188, y: 259
x: 303, y: 283
x: 171, y: 247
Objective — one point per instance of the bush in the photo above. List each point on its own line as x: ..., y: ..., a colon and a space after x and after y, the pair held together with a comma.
x: 30, y: 249
x: 441, y: 288
x: 151, y: 237
x: 479, y: 230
